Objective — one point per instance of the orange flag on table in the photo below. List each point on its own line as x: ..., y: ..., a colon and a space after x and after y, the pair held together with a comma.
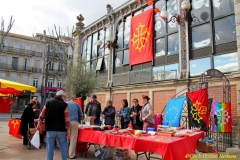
x: 140, y: 48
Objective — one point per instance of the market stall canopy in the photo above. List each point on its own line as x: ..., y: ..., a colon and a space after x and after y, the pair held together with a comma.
x: 15, y: 87
x: 8, y: 91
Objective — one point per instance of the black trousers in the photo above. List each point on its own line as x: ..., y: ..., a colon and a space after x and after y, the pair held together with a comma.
x: 25, y: 140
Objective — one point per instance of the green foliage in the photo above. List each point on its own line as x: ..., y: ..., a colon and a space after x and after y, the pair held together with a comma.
x: 80, y: 80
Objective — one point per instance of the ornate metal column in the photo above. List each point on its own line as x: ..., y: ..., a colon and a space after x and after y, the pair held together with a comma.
x: 110, y: 18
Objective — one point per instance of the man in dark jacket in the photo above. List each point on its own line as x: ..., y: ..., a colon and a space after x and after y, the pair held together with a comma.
x: 109, y: 113
x: 93, y: 108
x: 134, y: 115
x: 57, y: 122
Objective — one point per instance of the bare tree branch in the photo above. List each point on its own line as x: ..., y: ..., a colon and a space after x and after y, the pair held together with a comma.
x: 3, y: 33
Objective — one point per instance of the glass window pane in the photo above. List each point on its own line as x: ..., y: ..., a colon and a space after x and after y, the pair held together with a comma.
x: 5, y: 42
x: 225, y: 29
x: 148, y: 7
x: 118, y: 59
x: 226, y: 63
x: 198, y: 66
x: 138, y: 12
x: 171, y: 71
x: 107, y: 34
x: 3, y: 59
x: 140, y: 76
x: 223, y: 7
x: 172, y: 10
x: 2, y: 75
x: 89, y: 42
x: 125, y: 57
x: 101, y: 37
x: 127, y: 31
x: 160, y: 24
x: 158, y: 73
x: 84, y: 52
x: 25, y: 79
x: 16, y: 45
x: 94, y: 45
x: 173, y: 44
x: 160, y: 47
x: 13, y: 77
x: 106, y: 62
x: 94, y: 63
x: 38, y: 49
x: 27, y: 46
x: 201, y: 36
x: 200, y: 11
x: 120, y: 36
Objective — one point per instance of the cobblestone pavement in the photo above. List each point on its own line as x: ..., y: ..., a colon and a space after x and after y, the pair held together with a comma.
x: 11, y: 148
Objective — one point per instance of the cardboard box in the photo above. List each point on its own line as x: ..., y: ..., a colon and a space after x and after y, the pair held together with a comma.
x: 122, y: 154
x: 204, y: 147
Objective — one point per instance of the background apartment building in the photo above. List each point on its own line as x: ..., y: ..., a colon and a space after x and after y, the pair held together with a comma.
x: 23, y: 60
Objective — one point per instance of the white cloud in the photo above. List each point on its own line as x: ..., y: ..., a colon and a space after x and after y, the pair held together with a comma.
x: 228, y: 67
x: 35, y: 16
x: 218, y: 61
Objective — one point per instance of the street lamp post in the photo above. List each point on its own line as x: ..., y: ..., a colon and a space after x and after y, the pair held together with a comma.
x: 46, y: 75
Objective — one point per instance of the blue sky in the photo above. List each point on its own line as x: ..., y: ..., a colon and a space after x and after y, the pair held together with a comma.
x: 34, y: 16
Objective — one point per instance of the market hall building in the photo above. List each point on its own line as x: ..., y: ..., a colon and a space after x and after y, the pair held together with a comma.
x: 206, y: 37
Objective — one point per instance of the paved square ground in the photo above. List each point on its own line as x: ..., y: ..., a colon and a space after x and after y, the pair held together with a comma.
x: 11, y: 148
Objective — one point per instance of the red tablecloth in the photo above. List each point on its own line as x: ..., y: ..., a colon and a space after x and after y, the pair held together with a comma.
x: 171, y: 148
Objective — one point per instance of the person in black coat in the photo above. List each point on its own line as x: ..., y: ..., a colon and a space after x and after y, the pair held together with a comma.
x: 27, y: 120
x: 109, y: 113
x: 134, y: 115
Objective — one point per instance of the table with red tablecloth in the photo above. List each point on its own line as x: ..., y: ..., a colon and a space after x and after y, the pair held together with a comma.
x: 170, y: 148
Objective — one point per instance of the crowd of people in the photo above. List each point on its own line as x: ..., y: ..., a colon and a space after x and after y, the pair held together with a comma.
x: 61, y: 119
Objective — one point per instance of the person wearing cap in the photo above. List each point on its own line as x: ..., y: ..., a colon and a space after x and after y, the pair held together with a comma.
x: 57, y: 122
x: 93, y: 108
x: 147, y: 114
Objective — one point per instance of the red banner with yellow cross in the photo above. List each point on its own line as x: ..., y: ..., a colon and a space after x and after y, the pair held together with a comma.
x: 14, y: 125
x: 141, y: 46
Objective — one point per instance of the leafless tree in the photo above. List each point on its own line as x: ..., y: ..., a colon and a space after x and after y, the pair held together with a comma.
x: 4, y: 33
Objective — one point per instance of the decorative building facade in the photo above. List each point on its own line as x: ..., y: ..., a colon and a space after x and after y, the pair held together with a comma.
x: 206, y: 37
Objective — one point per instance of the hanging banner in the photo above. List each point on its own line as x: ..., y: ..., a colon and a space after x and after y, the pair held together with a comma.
x: 198, y: 108
x: 140, y: 48
x: 222, y: 121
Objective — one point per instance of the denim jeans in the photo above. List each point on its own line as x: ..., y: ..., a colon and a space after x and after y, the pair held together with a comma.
x: 51, y: 137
